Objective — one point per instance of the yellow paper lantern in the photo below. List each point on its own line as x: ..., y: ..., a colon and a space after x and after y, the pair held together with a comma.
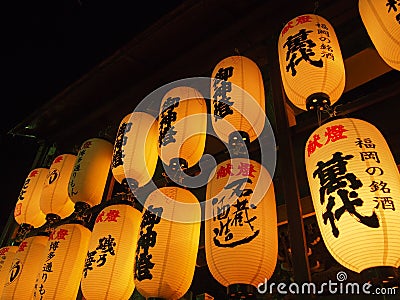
x: 241, y: 238
x: 354, y: 184
x: 238, y: 98
x: 311, y: 62
x: 135, y: 149
x: 7, y: 255
x: 27, y: 209
x: 381, y: 19
x: 90, y: 172
x: 20, y: 280
x: 168, y: 242
x: 182, y: 125
x: 108, y: 271
x: 64, y: 260
x: 54, y: 198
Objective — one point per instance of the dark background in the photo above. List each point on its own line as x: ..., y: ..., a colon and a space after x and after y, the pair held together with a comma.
x: 46, y: 46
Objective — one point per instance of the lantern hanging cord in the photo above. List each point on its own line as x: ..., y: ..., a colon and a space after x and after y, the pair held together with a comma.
x: 316, y: 6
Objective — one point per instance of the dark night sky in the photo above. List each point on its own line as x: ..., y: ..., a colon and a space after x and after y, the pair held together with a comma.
x: 46, y: 46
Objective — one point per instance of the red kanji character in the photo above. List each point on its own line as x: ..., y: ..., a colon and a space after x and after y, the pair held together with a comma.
x: 22, y: 246
x: 287, y: 27
x: 58, y: 159
x: 18, y: 210
x: 112, y: 215
x: 224, y: 171
x: 33, y: 173
x: 61, y: 234
x: 335, y: 133
x: 313, y: 144
x: 100, y: 217
x: 87, y: 145
x: 303, y: 19
x: 3, y: 251
x: 246, y: 169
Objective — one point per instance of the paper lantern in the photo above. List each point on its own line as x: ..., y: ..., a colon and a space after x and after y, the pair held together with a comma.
x: 64, y: 260
x: 381, y: 19
x: 27, y: 209
x: 7, y: 255
x: 108, y: 271
x: 54, y: 198
x: 355, y: 184
x: 311, y: 62
x: 182, y: 126
x: 90, y: 172
x: 168, y: 242
x: 20, y: 280
x: 135, y: 149
x: 238, y: 98
x: 241, y: 238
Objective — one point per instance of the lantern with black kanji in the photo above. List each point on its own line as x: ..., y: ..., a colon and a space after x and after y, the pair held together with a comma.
x: 182, y: 126
x: 355, y: 185
x: 27, y: 209
x: 21, y: 277
x: 64, y: 259
x: 311, y: 63
x: 90, y: 172
x: 55, y: 201
x: 135, y: 150
x: 381, y: 19
x: 241, y: 238
x: 7, y: 255
x: 168, y: 241
x: 237, y: 99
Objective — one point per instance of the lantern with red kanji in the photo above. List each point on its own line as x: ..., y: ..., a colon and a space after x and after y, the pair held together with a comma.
x: 7, y: 255
x: 354, y: 184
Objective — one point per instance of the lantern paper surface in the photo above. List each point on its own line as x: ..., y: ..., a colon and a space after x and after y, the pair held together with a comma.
x: 61, y: 269
x: 90, y: 172
x: 241, y: 238
x: 27, y: 263
x: 382, y: 21
x: 108, y: 271
x: 27, y: 209
x: 182, y: 125
x: 166, y: 254
x: 7, y: 255
x: 310, y: 60
x: 135, y: 149
x: 55, y: 199
x: 238, y: 98
x: 355, y: 188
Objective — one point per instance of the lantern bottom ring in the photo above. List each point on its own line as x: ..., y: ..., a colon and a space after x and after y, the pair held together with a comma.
x: 317, y: 101
x: 241, y: 291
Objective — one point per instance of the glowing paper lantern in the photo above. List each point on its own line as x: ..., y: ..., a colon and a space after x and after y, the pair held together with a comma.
x: 108, y: 271
x: 7, y: 255
x: 135, y: 149
x: 54, y: 198
x: 182, y: 125
x: 61, y: 269
x: 168, y: 242
x: 238, y: 100
x: 90, y: 172
x: 311, y: 62
x: 354, y: 184
x: 381, y: 20
x: 27, y: 209
x: 241, y: 238
x: 20, y: 280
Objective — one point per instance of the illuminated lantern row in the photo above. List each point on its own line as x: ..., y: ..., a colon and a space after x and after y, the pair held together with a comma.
x: 60, y: 271
x: 7, y: 255
x: 241, y: 238
x: 54, y: 198
x: 21, y: 278
x: 27, y: 209
x: 382, y: 21
x: 182, y: 126
x: 355, y: 188
x: 135, y: 149
x: 108, y: 271
x: 311, y: 62
x: 168, y: 241
x: 237, y: 98
x: 90, y: 172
